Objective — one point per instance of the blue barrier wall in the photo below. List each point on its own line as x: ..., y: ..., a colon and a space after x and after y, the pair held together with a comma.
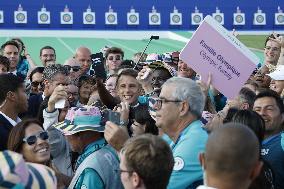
x: 228, y: 7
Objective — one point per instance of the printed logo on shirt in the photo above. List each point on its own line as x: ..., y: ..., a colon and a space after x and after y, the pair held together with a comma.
x: 84, y: 186
x: 264, y: 152
x: 179, y: 164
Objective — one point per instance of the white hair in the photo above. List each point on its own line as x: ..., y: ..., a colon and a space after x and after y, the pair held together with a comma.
x: 185, y: 89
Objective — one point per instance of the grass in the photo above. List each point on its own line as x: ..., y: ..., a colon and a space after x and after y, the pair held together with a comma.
x: 65, y: 47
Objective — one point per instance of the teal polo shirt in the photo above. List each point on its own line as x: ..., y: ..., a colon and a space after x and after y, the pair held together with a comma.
x: 186, y: 149
x: 89, y: 177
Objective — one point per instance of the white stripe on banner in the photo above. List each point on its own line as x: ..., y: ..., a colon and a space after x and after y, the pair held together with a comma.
x: 120, y: 45
x: 65, y: 45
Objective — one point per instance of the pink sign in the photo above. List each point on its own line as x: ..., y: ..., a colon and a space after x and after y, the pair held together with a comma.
x: 213, y: 49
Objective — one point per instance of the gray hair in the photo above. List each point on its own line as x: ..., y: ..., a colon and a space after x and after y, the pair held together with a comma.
x: 50, y: 71
x: 186, y: 89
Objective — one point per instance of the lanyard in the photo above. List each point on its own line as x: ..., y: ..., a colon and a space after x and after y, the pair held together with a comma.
x: 91, y: 148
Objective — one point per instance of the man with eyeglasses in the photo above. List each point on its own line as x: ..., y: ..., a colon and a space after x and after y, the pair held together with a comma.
x: 178, y: 110
x: 146, y: 161
x: 114, y: 57
x: 272, y: 50
x: 47, y: 55
x: 74, y: 68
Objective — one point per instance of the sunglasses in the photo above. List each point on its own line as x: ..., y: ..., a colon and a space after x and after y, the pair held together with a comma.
x: 31, y: 140
x: 74, y: 68
x: 114, y: 58
x: 36, y: 83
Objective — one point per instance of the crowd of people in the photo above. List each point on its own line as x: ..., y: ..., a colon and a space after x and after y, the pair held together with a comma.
x: 150, y: 124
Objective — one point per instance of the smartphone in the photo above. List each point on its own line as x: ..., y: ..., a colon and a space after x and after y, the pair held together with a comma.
x: 97, y: 68
x: 109, y: 115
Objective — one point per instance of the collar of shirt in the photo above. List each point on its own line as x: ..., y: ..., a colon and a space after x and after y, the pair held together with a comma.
x: 192, y: 125
x: 43, y: 96
x: 11, y: 120
x: 89, y: 149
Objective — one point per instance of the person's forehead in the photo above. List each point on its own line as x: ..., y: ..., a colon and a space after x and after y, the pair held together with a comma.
x: 72, y: 88
x: 265, y: 101
x: 114, y: 54
x: 271, y: 43
x: 167, y: 91
x: 72, y: 63
x: 37, y: 76
x: 11, y: 48
x: 47, y: 51
x: 127, y: 79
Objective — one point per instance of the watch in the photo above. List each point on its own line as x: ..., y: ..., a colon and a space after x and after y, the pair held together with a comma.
x: 123, y: 123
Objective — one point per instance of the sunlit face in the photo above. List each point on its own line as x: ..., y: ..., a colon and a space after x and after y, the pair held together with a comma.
x: 272, y: 52
x: 47, y: 55
x: 38, y: 152
x: 267, y: 108
x: 185, y: 71
x: 261, y: 78
x: 168, y: 114
x: 277, y: 86
x: 84, y: 58
x: 114, y: 61
x: 111, y: 86
x: 128, y: 89
x: 12, y: 53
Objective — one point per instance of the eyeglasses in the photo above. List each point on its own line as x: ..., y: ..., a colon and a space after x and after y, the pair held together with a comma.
x: 114, y: 58
x: 36, y: 83
x: 119, y: 171
x: 274, y: 49
x: 31, y: 140
x: 74, y: 68
x: 160, y: 101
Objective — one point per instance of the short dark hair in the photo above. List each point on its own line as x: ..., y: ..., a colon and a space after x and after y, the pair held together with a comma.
x: 5, y: 61
x: 51, y: 70
x: 248, y: 96
x: 253, y: 120
x: 151, y: 158
x: 17, y: 134
x: 142, y: 116
x: 14, y: 43
x: 9, y: 82
x: 46, y: 47
x: 114, y: 50
x: 36, y: 70
x: 126, y: 72
x: 272, y: 94
x: 86, y: 79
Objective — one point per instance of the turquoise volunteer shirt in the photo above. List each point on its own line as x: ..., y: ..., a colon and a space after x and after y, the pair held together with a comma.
x: 186, y: 149
x: 89, y: 177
